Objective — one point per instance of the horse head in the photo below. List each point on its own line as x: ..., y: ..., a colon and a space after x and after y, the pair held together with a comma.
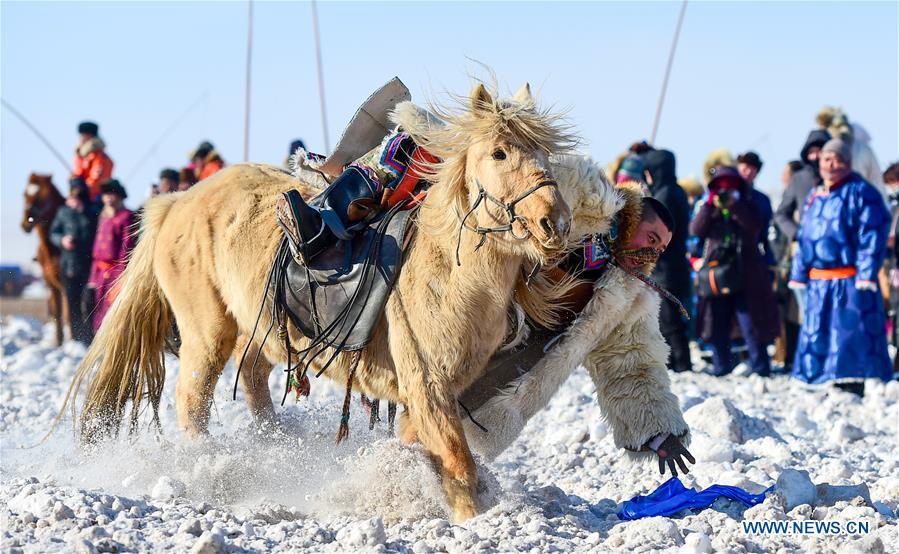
x: 41, y: 201
x: 495, y: 159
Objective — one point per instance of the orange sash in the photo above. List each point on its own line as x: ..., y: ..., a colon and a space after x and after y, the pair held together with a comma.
x: 834, y: 273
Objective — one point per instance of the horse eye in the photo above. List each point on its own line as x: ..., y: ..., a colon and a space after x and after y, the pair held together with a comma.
x: 498, y: 154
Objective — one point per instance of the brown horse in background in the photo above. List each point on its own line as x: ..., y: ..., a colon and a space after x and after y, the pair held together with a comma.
x: 42, y: 201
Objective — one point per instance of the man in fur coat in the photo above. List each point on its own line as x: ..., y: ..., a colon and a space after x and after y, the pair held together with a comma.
x: 615, y: 333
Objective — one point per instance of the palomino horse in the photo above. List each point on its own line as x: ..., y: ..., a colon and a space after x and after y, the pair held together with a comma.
x: 204, y: 255
x: 42, y: 200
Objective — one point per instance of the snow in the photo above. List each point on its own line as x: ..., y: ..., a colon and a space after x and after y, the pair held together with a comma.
x: 558, y: 488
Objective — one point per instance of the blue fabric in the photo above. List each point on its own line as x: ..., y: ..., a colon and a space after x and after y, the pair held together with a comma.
x: 672, y: 497
x: 843, y: 334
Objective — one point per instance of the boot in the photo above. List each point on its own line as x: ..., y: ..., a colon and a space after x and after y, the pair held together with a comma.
x: 306, y: 231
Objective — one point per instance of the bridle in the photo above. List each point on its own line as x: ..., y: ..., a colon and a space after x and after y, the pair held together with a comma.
x: 507, y: 207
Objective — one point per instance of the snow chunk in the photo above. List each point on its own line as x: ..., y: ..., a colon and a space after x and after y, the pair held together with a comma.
x: 717, y: 417
x: 796, y: 488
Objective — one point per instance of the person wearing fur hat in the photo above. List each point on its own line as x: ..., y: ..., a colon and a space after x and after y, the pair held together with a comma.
x: 91, y: 161
x: 613, y: 332
x: 206, y: 160
x: 73, y: 233
x: 842, y: 244
x: 115, y: 239
x: 729, y: 224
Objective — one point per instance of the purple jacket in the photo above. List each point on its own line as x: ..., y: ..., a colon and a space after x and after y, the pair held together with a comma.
x: 748, y: 223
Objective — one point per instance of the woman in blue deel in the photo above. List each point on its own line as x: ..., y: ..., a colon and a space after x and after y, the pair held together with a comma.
x: 842, y: 243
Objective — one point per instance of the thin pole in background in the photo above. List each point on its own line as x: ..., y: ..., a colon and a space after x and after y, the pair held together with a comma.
x: 321, y: 77
x: 246, y: 118
x: 680, y: 22
x: 165, y: 135
x: 37, y: 133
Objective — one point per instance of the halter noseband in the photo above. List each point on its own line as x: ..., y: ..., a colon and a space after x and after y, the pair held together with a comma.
x: 508, y: 207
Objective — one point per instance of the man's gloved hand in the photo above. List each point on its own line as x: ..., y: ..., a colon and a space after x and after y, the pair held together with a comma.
x: 670, y: 449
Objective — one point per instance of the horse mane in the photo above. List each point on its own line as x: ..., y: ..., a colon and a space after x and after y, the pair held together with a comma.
x: 448, y: 131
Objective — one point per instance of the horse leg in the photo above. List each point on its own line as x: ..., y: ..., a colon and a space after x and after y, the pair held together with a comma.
x: 55, y: 304
x: 255, y: 379
x: 440, y: 431
x: 208, y: 335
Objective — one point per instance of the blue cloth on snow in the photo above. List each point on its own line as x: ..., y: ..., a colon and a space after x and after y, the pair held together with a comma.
x: 672, y: 497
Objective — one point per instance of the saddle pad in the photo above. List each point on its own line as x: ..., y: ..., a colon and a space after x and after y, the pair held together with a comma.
x: 339, y: 297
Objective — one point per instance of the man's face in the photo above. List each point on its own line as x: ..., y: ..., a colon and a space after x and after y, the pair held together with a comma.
x: 747, y: 172
x: 813, y: 153
x: 832, y: 167
x: 167, y: 185
x: 650, y: 233
x: 892, y: 187
x: 111, y: 200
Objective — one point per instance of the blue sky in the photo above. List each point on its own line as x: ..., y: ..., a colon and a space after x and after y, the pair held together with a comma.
x: 746, y: 75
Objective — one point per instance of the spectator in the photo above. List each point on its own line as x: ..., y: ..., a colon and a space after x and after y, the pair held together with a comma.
x: 693, y: 188
x: 294, y: 146
x: 864, y: 162
x: 73, y: 233
x: 842, y: 243
x: 891, y: 181
x: 91, y: 161
x: 206, y: 160
x: 186, y: 179
x: 781, y: 248
x: 729, y: 223
x: 717, y: 157
x: 672, y: 270
x: 748, y: 166
x: 168, y: 181
x: 792, y: 205
x: 115, y: 238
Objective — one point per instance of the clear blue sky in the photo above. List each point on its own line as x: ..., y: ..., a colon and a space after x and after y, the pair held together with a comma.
x: 746, y: 75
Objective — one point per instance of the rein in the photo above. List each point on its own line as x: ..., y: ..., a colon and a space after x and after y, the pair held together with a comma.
x: 508, y: 207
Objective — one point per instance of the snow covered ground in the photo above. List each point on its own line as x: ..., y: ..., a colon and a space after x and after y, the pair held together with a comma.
x: 557, y: 489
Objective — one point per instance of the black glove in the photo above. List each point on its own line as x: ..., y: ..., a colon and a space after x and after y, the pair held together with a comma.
x: 670, y: 450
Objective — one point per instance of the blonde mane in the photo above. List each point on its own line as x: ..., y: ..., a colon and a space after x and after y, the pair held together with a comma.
x: 447, y: 133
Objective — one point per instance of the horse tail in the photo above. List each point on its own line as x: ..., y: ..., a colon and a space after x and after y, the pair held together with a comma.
x: 125, y: 362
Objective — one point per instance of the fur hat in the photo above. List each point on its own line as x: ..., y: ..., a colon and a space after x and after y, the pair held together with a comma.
x: 691, y: 186
x: 629, y: 215
x: 88, y: 128
x: 113, y: 186
x: 169, y: 173
x: 836, y: 122
x: 841, y: 148
x: 295, y: 145
x: 720, y: 156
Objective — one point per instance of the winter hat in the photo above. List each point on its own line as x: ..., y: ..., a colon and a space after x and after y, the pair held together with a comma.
x: 169, y: 173
x: 113, y: 186
x: 295, y: 145
x: 816, y: 137
x: 725, y: 177
x: 187, y: 175
x: 750, y: 158
x: 202, y: 150
x: 88, y: 128
x: 836, y: 122
x: 720, y: 156
x: 841, y: 148
x: 631, y: 169
x: 691, y: 186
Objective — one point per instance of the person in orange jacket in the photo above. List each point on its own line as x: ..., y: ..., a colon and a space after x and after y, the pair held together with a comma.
x: 91, y: 161
x: 206, y: 160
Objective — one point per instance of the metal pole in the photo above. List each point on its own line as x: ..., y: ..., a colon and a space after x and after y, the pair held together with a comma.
x: 680, y: 22
x: 246, y: 119
x: 321, y: 77
x: 37, y: 133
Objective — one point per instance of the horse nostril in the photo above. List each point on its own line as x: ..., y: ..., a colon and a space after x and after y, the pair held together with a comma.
x: 547, y: 227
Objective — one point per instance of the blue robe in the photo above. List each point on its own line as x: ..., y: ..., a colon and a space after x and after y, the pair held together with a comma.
x: 843, y: 334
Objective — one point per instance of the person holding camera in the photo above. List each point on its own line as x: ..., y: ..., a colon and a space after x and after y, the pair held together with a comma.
x: 733, y: 281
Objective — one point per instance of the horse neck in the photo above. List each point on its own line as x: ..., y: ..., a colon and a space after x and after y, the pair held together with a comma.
x: 486, y: 276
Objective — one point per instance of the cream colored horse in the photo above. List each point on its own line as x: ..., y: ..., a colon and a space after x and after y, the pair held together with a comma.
x: 204, y: 255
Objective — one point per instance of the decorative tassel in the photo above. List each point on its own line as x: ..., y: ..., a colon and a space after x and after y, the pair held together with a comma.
x: 344, y: 430
x: 299, y: 382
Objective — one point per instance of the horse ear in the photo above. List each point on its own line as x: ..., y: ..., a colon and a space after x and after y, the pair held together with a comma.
x: 523, y: 96
x: 480, y: 98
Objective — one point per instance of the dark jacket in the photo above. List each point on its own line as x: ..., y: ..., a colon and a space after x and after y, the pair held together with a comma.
x: 673, y: 268
x: 82, y: 226
x: 709, y: 225
x: 792, y: 205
